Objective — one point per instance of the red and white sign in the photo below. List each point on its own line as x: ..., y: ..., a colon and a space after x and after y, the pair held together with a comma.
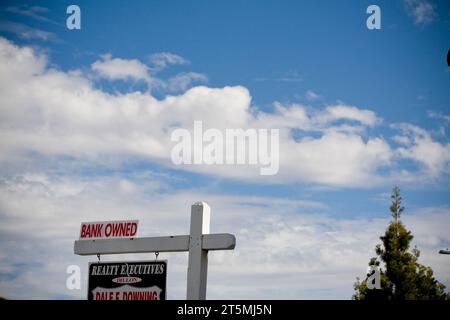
x: 109, y: 229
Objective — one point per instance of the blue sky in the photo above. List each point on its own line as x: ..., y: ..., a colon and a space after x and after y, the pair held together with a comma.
x: 312, y: 57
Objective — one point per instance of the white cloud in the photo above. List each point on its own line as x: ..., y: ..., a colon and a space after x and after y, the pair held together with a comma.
x: 434, y: 156
x: 404, y: 140
x: 34, y: 12
x: 121, y: 69
x: 285, y: 248
x: 365, y: 117
x: 63, y: 114
x: 423, y: 11
x: 312, y: 96
x: 336, y: 159
x: 132, y: 69
x: 437, y: 115
x: 301, y: 117
x: 340, y: 156
x: 63, y: 122
x: 183, y: 81
x: 162, y: 60
x: 28, y: 33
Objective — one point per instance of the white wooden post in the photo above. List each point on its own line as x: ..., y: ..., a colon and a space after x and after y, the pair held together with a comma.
x: 198, y: 258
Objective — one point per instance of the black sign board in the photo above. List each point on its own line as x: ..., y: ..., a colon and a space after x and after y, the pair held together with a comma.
x: 137, y: 280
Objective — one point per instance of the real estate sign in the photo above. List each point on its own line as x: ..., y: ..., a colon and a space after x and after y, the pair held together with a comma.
x: 137, y: 280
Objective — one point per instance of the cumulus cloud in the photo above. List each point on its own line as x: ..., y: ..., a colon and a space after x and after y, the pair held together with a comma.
x: 308, y: 119
x: 423, y: 11
x: 404, y: 140
x: 162, y: 60
x: 181, y: 82
x: 131, y: 69
x: 293, y: 247
x: 121, y: 69
x: 365, y: 117
x: 63, y: 114
x: 434, y: 156
x: 62, y: 123
x: 337, y: 159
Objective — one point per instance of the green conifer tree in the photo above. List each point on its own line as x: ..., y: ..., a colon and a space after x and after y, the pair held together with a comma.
x: 402, y: 277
